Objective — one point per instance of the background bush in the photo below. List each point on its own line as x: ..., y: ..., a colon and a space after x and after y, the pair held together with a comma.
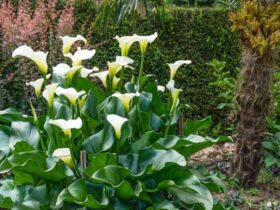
x: 198, y: 34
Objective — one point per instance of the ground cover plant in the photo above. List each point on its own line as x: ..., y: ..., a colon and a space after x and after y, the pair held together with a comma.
x: 100, y: 142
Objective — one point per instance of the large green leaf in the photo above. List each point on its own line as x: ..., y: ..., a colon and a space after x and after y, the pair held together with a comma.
x: 36, y: 164
x: 189, y: 145
x: 24, y: 131
x: 150, y: 159
x: 24, y: 197
x: 99, y: 142
x: 9, y: 115
x: 5, y: 133
x: 84, y: 194
x: 192, y: 127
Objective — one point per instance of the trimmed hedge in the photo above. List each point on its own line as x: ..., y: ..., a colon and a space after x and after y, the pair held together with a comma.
x: 196, y: 34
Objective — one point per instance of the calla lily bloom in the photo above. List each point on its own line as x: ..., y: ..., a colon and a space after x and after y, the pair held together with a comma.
x: 64, y: 154
x: 115, y: 67
x: 144, y: 40
x: 69, y: 41
x: 170, y: 85
x: 38, y: 84
x: 175, y: 94
x: 67, y: 125
x: 160, y: 88
x: 39, y: 57
x: 80, y: 55
x: 125, y: 98
x: 174, y: 67
x: 48, y: 93
x: 102, y: 76
x: 63, y: 69
x: 85, y: 72
x: 115, y: 82
x: 125, y: 43
x: 117, y: 123
x: 70, y: 93
x: 82, y: 101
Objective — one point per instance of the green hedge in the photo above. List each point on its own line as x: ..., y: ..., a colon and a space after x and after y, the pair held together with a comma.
x: 196, y: 34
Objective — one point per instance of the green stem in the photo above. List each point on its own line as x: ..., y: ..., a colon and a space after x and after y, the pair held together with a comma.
x: 141, y: 71
x: 73, y: 156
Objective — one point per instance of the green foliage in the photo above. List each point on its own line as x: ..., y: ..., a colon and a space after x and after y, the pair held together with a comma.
x: 196, y: 34
x: 272, y: 150
x: 135, y: 160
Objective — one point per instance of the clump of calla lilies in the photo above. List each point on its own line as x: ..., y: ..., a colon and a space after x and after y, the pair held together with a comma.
x: 115, y: 138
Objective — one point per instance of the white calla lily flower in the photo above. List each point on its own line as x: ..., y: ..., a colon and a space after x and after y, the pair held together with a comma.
x: 69, y: 41
x: 38, y: 84
x: 115, y: 83
x: 170, y: 85
x: 175, y: 95
x: 115, y: 67
x: 144, y: 40
x: 117, y: 123
x: 63, y: 69
x: 125, y: 99
x: 175, y: 66
x: 70, y: 93
x: 64, y: 154
x: 67, y: 125
x: 125, y: 43
x: 48, y: 93
x: 80, y: 55
x: 85, y: 72
x: 103, y: 75
x: 39, y: 57
x: 160, y: 88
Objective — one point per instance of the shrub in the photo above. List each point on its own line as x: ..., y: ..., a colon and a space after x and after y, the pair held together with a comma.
x: 135, y: 161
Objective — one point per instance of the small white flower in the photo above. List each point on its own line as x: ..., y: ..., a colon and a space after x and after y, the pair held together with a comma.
x: 125, y: 99
x: 160, y: 88
x: 170, y: 85
x: 117, y: 123
x: 48, y: 93
x: 125, y: 43
x: 102, y: 76
x: 174, y: 67
x: 85, y: 72
x: 38, y: 84
x: 80, y: 55
x: 39, y: 57
x: 67, y: 125
x: 69, y: 41
x: 269, y: 204
x: 63, y: 69
x: 115, y: 67
x: 70, y: 93
x: 144, y: 40
x: 175, y: 95
x: 65, y: 155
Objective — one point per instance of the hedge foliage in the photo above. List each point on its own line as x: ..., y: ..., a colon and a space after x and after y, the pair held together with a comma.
x: 196, y: 34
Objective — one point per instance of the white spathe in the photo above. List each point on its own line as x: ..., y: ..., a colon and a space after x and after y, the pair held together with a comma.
x: 48, y: 93
x: 175, y: 95
x: 115, y: 82
x: 160, y: 88
x: 144, y: 40
x: 102, y: 76
x: 64, y: 154
x: 125, y: 98
x: 71, y: 93
x: 115, y: 67
x: 85, y: 71
x: 38, y: 84
x: 69, y: 41
x: 125, y: 43
x: 117, y: 123
x: 80, y: 55
x: 64, y: 69
x: 170, y: 85
x: 174, y: 67
x: 67, y: 125
x: 39, y: 57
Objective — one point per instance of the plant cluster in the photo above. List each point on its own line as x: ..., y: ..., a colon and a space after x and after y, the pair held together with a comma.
x: 96, y: 147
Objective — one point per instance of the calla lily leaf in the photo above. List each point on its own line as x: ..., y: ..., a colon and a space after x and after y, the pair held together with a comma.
x: 5, y: 133
x: 35, y: 163
x: 192, y: 127
x: 84, y: 194
x: 9, y: 115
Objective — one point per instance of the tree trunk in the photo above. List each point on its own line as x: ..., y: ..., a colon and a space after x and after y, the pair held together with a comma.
x: 253, y: 103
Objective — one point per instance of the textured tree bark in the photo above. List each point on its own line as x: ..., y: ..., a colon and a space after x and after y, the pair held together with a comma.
x: 253, y: 103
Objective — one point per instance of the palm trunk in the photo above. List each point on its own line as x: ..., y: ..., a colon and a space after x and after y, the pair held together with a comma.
x: 253, y: 103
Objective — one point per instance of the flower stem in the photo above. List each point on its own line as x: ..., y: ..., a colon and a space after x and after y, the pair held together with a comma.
x: 141, y: 71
